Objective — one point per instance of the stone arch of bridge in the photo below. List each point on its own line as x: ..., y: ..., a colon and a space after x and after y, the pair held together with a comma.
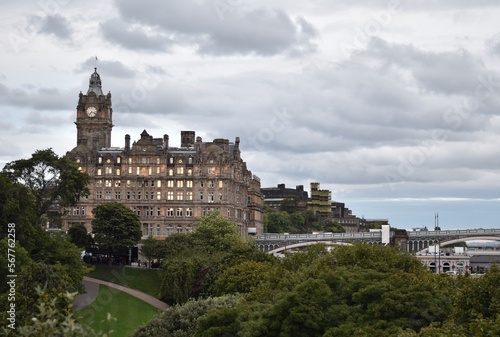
x: 464, y: 239
x: 308, y: 243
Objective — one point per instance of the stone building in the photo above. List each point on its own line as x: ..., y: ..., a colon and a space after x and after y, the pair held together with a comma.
x: 166, y: 186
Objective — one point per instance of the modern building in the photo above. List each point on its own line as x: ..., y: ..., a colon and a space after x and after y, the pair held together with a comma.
x: 166, y: 186
x: 273, y: 196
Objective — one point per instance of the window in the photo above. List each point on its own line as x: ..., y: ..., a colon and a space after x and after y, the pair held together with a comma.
x: 190, y: 172
x: 98, y: 183
x: 180, y: 183
x: 171, y: 160
x: 99, y: 160
x: 117, y: 195
x: 98, y: 195
x: 108, y: 183
x: 158, y: 170
x: 189, y: 184
x: 152, y: 195
x: 170, y: 195
x: 128, y: 195
x: 221, y: 184
x: 211, y: 184
x: 158, y: 211
x: 210, y: 196
x: 170, y: 172
x: 220, y: 196
x: 180, y: 170
x: 158, y: 229
x: 158, y: 195
x: 158, y: 161
x: 179, y: 212
x: 170, y: 183
x: 109, y: 170
x: 138, y: 170
x: 118, y: 183
x: 139, y: 195
x: 170, y: 212
x: 149, y: 211
x: 189, y: 195
x: 189, y: 212
x: 130, y: 170
x: 130, y: 160
x: 180, y: 195
x: 118, y: 160
x: 150, y: 170
x: 201, y: 195
x: 202, y: 184
x: 108, y: 195
x: 99, y: 172
x: 118, y: 172
x: 190, y: 160
x: 158, y: 183
x: 129, y: 183
x: 211, y: 170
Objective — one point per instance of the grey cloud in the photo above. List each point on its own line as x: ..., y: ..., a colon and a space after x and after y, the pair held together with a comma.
x: 41, y: 99
x: 133, y: 37
x: 107, y: 67
x: 57, y: 26
x: 493, y: 45
x: 237, y: 30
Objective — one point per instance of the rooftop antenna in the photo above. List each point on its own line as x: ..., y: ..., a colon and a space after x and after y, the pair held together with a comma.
x: 436, y: 222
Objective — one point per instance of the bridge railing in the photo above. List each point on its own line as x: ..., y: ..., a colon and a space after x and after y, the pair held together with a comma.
x: 322, y: 236
x: 459, y: 232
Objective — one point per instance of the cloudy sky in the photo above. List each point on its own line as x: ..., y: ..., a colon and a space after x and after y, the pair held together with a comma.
x: 392, y: 105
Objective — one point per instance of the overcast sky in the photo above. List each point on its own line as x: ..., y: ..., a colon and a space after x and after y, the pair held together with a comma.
x: 394, y: 106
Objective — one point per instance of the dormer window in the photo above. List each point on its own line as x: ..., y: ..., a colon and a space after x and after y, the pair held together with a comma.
x: 118, y: 160
x: 99, y: 160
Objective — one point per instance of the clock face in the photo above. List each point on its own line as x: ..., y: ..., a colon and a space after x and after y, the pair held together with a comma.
x: 91, y: 111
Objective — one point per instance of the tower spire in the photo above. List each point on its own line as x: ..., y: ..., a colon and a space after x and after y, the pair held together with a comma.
x: 95, y: 83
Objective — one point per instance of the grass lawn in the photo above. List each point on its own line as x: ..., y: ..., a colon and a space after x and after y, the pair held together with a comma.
x: 130, y: 312
x: 145, y: 280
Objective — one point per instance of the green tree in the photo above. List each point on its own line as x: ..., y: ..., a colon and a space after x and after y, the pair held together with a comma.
x: 181, y: 320
x: 151, y: 249
x: 217, y: 233
x: 116, y: 227
x: 49, y: 320
x: 289, y: 204
x: 17, y: 207
x: 79, y: 236
x: 277, y: 222
x: 49, y: 178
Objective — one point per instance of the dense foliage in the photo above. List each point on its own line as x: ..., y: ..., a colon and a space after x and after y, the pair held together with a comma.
x: 28, y: 189
x: 192, y: 262
x: 116, y: 227
x: 49, y: 178
x: 291, y: 219
x: 360, y: 290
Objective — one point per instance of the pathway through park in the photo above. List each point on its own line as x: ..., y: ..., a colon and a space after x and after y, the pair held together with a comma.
x: 92, y: 288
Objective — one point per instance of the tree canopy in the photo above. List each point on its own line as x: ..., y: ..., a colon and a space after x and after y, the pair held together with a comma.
x: 116, y: 227
x: 50, y: 178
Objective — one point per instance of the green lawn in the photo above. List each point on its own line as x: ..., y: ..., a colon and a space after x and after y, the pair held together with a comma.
x: 145, y: 280
x: 130, y: 312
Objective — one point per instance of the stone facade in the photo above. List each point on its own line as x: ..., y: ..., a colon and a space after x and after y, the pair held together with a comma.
x: 166, y: 186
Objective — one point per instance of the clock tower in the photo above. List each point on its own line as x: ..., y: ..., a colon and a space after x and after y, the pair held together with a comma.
x: 94, y: 116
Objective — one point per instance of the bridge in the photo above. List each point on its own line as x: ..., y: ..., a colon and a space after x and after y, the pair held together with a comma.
x: 409, y: 241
